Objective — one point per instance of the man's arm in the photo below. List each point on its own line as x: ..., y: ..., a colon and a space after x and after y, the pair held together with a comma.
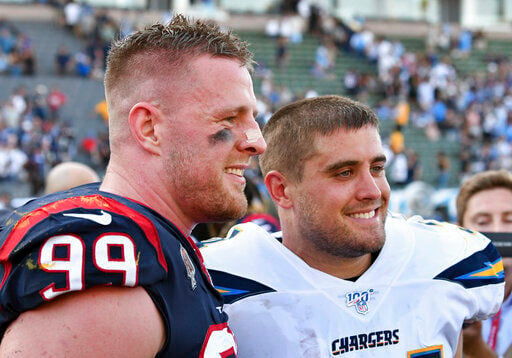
x: 101, y: 321
x: 474, y: 344
x: 458, y: 352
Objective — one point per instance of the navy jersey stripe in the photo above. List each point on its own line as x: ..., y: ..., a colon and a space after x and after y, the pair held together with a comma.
x: 234, y: 288
x: 482, y: 268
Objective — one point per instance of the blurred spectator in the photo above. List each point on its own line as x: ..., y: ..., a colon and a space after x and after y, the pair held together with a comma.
x: 439, y: 109
x: 479, y: 39
x: 35, y: 172
x: 414, y: 168
x: 272, y: 28
x: 56, y: 100
x: 68, y: 175
x: 89, y: 144
x: 325, y: 59
x: 351, y: 82
x: 63, y: 61
x: 282, y: 53
x: 82, y: 64
x: 341, y: 35
x: 441, y: 73
x: 397, y: 140
x: 72, y: 12
x: 484, y: 203
x: 103, y: 151
x: 465, y: 43
x: 384, y: 110
x: 7, y: 39
x: 398, y: 164
x: 5, y: 201
x: 443, y: 167
x: 30, y: 143
x: 39, y: 102
x: 26, y: 57
x: 16, y: 158
x: 425, y: 92
x: 17, y: 55
x: 398, y: 170
x: 402, y: 110
x: 314, y: 19
x: 101, y: 110
x: 288, y: 26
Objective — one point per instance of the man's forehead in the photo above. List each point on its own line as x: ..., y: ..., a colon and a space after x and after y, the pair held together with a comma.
x: 335, y: 153
x: 360, y: 138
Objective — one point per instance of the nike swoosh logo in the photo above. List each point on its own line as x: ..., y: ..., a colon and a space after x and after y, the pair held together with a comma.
x: 102, y: 219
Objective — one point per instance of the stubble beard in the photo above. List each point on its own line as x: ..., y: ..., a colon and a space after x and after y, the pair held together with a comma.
x: 335, y: 237
x: 205, y: 199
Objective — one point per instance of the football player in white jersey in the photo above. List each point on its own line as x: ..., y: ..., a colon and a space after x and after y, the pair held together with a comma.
x: 348, y: 279
x: 484, y: 203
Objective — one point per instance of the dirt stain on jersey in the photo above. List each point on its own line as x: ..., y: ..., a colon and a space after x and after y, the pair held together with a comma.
x: 30, y: 264
x: 33, y: 266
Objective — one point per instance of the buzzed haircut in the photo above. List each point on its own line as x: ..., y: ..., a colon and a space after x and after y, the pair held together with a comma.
x: 291, y: 131
x: 171, y: 45
x: 491, y: 179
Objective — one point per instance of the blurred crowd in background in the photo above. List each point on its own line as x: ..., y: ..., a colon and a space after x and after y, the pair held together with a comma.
x: 408, y: 88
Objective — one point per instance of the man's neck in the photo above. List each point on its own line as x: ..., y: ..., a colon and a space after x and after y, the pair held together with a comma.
x: 119, y: 183
x: 341, y: 267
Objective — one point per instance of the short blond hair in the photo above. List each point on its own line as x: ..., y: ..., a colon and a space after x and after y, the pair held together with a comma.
x: 291, y: 131
x: 172, y: 44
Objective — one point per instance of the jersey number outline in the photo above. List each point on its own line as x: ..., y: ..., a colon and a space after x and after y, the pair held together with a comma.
x: 219, y: 342
x: 73, y: 265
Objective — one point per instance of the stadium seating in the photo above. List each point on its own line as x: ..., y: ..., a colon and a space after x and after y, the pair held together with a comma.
x: 297, y: 76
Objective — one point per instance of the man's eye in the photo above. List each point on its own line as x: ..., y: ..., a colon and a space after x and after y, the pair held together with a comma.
x: 344, y: 173
x: 482, y: 222
x: 378, y: 168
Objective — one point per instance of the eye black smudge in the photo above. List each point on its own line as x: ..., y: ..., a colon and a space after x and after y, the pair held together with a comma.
x: 221, y: 136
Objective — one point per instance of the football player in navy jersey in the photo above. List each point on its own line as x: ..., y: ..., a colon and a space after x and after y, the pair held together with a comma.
x: 109, y: 270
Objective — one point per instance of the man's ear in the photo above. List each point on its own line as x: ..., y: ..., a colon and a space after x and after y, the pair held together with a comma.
x: 279, y: 188
x: 144, y: 118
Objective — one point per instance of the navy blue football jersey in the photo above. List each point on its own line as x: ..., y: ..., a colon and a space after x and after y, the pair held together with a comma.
x: 80, y: 238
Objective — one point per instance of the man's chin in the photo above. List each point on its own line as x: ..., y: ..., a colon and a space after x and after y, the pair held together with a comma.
x: 228, y: 213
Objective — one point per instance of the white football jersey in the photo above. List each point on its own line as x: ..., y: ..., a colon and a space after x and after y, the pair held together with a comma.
x: 427, y: 280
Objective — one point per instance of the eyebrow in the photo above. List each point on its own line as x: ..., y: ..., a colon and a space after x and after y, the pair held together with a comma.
x: 222, y: 113
x: 481, y: 214
x: 347, y: 163
x: 486, y: 213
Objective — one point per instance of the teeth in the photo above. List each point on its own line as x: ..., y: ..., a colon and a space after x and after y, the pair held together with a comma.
x: 239, y: 172
x: 369, y: 215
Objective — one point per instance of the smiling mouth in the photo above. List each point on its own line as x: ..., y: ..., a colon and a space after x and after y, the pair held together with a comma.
x: 367, y: 215
x: 235, y: 171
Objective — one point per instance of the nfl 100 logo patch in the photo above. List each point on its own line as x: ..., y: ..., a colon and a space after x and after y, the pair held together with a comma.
x: 359, y: 299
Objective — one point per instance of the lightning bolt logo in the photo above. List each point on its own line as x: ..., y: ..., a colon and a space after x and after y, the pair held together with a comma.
x: 492, y: 270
